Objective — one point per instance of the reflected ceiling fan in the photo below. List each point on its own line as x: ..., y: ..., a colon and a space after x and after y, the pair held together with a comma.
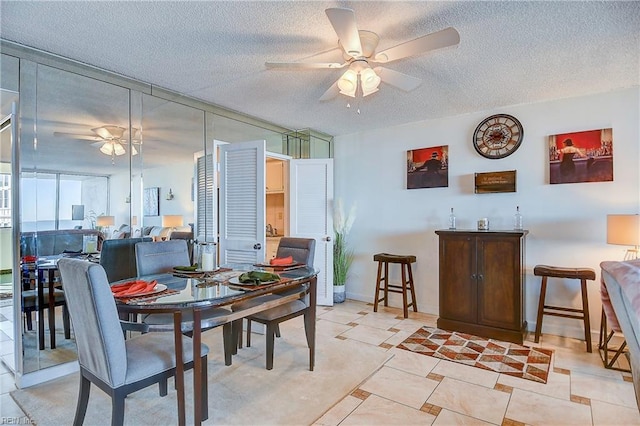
x: 362, y: 60
x: 111, y: 139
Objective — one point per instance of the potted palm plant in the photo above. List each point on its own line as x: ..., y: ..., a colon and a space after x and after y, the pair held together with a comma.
x: 342, y: 254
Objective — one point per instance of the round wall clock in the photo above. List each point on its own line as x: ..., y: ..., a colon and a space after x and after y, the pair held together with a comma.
x: 498, y: 136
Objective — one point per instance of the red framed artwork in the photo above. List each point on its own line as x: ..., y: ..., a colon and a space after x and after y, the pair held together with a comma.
x: 581, y: 157
x: 428, y: 167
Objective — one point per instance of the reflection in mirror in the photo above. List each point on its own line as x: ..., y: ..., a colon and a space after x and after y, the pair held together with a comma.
x: 80, y: 141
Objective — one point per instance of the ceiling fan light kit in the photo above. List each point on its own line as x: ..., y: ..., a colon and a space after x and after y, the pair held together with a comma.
x: 359, y: 51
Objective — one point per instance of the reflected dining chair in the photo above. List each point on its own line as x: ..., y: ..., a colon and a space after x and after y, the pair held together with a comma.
x: 118, y: 366
x: 303, y: 251
x: 188, y: 237
x: 118, y: 258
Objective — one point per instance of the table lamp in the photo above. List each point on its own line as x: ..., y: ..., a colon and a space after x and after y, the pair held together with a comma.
x: 624, y: 229
x: 105, y: 222
x: 172, y: 221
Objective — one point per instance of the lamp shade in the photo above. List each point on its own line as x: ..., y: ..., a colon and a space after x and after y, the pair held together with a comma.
x: 623, y: 229
x: 172, y: 220
x: 134, y: 220
x: 105, y: 220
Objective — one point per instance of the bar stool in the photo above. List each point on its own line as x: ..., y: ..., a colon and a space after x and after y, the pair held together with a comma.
x: 582, y: 274
x: 608, y: 319
x: 407, y: 284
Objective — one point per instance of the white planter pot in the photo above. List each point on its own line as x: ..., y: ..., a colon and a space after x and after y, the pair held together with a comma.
x: 339, y: 294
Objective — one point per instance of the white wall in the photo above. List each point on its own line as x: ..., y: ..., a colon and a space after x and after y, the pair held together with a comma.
x: 567, y: 222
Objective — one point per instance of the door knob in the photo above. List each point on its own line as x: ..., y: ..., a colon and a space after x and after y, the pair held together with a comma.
x: 257, y: 246
x: 327, y: 238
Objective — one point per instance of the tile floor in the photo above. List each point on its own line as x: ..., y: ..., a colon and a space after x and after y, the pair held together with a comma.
x: 416, y: 389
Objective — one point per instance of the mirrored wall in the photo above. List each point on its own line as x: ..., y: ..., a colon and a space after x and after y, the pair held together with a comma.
x: 103, y: 156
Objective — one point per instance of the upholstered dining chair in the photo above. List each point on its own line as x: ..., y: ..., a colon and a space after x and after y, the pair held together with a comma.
x: 188, y: 237
x: 303, y: 251
x: 118, y: 258
x: 160, y: 257
x: 117, y: 366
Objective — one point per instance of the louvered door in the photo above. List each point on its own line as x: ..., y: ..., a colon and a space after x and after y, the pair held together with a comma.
x: 242, y: 202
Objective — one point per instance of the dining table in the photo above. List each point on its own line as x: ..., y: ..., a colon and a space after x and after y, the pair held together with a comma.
x: 189, y: 294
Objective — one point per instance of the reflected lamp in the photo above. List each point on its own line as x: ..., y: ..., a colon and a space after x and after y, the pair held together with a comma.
x: 171, y: 221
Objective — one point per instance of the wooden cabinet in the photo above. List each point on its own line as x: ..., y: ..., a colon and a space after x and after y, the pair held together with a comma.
x: 482, y: 283
x: 275, y: 176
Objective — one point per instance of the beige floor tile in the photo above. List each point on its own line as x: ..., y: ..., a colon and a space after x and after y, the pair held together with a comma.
x: 535, y: 409
x: 449, y: 418
x: 379, y: 411
x: 366, y: 334
x: 410, y: 325
x: 10, y: 410
x: 339, y: 316
x: 330, y: 328
x: 613, y: 391
x: 382, y: 321
x: 557, y: 386
x: 467, y: 373
x: 605, y: 414
x: 399, y: 386
x: 411, y: 362
x: 7, y: 383
x: 353, y: 306
x: 339, y: 412
x: 471, y: 400
x: 581, y: 361
x: 398, y: 338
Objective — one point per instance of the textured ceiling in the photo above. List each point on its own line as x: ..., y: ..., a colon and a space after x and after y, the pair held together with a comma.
x: 510, y: 53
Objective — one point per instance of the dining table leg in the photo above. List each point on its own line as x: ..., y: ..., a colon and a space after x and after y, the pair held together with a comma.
x: 197, y: 367
x: 179, y: 371
x: 52, y: 312
x: 40, y: 302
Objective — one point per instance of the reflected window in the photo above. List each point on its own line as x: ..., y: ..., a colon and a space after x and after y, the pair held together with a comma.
x: 5, y: 200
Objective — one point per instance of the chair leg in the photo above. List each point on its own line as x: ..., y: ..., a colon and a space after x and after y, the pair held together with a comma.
x: 377, y: 295
x: 277, y: 330
x: 229, y: 342
x: 270, y: 343
x: 163, y: 386
x: 308, y: 326
x: 205, y: 390
x: 543, y: 292
x: 248, y: 333
x: 386, y: 284
x: 585, y: 312
x: 117, y: 409
x: 83, y: 400
x: 405, y: 308
x: 413, y: 291
x: 65, y: 322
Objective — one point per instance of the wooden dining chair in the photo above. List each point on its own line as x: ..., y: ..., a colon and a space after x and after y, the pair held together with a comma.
x: 118, y: 366
x: 303, y: 251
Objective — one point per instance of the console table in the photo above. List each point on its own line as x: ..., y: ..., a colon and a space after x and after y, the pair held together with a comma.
x: 482, y: 283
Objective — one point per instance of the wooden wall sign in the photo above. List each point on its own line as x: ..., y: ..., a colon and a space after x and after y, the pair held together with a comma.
x: 492, y: 182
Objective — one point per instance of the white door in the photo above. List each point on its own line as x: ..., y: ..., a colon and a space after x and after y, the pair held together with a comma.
x: 242, y: 202
x: 311, y: 215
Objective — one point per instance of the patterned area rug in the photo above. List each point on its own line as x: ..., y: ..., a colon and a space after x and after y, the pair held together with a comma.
x: 502, y: 357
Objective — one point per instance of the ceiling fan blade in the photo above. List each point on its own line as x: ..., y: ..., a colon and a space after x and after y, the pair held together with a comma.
x: 438, y: 40
x: 331, y: 93
x: 303, y: 65
x: 77, y: 136
x: 397, y: 79
x: 343, y: 21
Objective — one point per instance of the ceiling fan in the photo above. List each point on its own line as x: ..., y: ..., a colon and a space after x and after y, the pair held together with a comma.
x: 111, y: 139
x: 359, y: 52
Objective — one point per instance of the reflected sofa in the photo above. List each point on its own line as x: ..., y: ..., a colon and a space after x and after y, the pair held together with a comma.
x: 622, y: 282
x: 53, y: 242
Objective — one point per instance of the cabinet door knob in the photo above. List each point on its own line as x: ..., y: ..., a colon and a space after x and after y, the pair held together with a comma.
x: 473, y: 276
x: 480, y: 277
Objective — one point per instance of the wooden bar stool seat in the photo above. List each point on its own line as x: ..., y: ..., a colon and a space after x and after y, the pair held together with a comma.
x: 582, y: 274
x: 382, y: 281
